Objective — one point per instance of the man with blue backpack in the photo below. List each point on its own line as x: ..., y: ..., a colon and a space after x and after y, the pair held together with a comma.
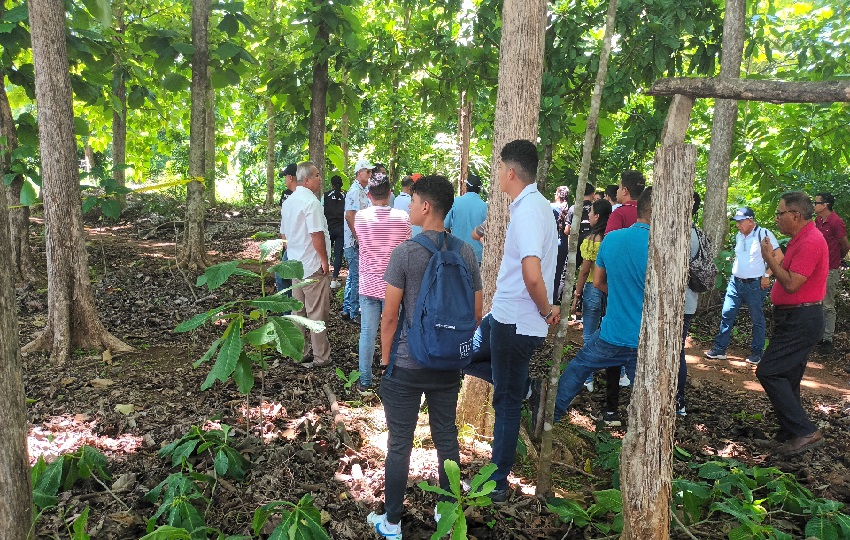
x: 434, y: 280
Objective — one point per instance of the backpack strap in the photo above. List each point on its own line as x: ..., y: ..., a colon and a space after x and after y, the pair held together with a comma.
x: 426, y: 242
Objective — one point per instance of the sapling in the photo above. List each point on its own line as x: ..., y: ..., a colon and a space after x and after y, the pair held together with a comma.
x: 452, y: 518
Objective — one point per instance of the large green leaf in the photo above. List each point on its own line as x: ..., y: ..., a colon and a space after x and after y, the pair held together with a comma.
x: 821, y: 528
x: 228, y: 354
x: 198, y: 320
x: 270, y: 246
x: 28, y: 195
x: 243, y: 375
x: 289, y: 338
x: 309, y: 324
x: 111, y: 208
x: 174, y: 82
x: 288, y: 270
x: 215, y: 276
x: 277, y: 304
x: 262, y: 335
x: 100, y: 10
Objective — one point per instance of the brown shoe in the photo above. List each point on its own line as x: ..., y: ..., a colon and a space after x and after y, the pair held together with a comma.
x: 801, y: 444
x: 316, y: 363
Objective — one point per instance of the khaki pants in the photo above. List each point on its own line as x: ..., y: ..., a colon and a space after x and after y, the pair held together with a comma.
x: 316, y: 298
x: 832, y: 283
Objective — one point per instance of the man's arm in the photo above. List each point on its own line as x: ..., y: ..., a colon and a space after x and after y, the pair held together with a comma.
x: 765, y: 279
x: 532, y: 276
x: 844, y: 245
x: 349, y: 219
x: 318, y: 239
x: 600, y: 279
x: 790, y: 281
x: 479, y: 306
x: 389, y: 321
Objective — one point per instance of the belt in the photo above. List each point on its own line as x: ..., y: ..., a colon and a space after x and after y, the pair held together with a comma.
x: 746, y: 280
x: 795, y: 306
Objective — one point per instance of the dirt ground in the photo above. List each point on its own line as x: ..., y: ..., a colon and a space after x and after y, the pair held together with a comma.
x: 285, y: 427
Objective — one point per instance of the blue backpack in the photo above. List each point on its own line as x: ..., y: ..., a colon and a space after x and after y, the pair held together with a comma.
x: 440, y: 336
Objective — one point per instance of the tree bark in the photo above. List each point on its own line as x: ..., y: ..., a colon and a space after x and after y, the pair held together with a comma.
x: 88, y: 152
x: 544, y: 470
x: 646, y: 463
x: 270, y: 145
x: 119, y: 118
x: 517, y: 111
x: 715, y: 217
x: 19, y: 217
x: 15, y: 487
x: 194, y: 253
x: 72, y: 320
x: 465, y: 129
x: 543, y: 167
x: 754, y: 90
x: 209, y: 142
x: 319, y: 103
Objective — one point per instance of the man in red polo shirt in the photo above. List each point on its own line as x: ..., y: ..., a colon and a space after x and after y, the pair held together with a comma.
x: 798, y: 319
x: 835, y: 233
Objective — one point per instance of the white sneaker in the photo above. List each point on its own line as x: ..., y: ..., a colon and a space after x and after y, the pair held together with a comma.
x: 437, y: 515
x: 335, y: 284
x: 382, y: 527
x: 624, y: 380
x: 589, y: 386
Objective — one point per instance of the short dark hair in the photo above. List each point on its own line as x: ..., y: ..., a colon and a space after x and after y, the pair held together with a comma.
x: 827, y: 198
x: 438, y: 191
x: 611, y: 191
x: 407, y: 181
x: 697, y: 204
x: 522, y: 154
x: 381, y: 191
x: 589, y: 189
x: 634, y: 182
x: 336, y: 181
x: 644, y: 203
x: 800, y: 202
x: 377, y: 168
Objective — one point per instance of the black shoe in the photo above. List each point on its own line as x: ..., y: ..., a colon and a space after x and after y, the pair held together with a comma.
x: 345, y: 317
x: 362, y: 388
x: 612, y: 419
x: 825, y: 347
x: 499, y: 495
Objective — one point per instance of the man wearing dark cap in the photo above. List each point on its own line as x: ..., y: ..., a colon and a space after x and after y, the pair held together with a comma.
x: 288, y: 175
x: 468, y: 211
x: 747, y: 285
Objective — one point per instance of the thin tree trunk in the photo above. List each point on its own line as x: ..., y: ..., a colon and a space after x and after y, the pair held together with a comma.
x: 270, y: 145
x: 646, y: 463
x: 19, y: 216
x: 194, y: 253
x: 319, y: 104
x: 465, y: 129
x: 715, y: 218
x: 15, y: 487
x: 209, y: 142
x: 119, y: 118
x: 544, y: 470
x: 543, y: 168
x: 88, y: 152
x: 754, y: 90
x: 517, y: 111
x: 72, y: 320
x: 344, y: 130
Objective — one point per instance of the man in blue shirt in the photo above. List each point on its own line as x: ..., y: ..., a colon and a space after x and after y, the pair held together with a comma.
x: 621, y: 263
x: 468, y: 211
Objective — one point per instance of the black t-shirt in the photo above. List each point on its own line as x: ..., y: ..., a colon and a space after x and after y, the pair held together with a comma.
x: 285, y: 195
x: 335, y: 208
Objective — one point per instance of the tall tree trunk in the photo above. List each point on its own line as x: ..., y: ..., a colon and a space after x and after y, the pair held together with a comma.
x: 72, y: 320
x: 19, y: 217
x: 346, y: 146
x: 319, y: 103
x: 646, y: 463
x: 119, y: 90
x: 543, y: 168
x: 270, y: 145
x: 517, y: 111
x: 15, y: 487
x: 544, y: 474
x: 209, y: 142
x: 715, y: 218
x: 465, y: 129
x: 88, y: 152
x: 194, y: 253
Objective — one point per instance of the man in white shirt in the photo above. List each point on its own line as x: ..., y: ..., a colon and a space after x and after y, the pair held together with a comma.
x: 356, y: 199
x: 305, y: 230
x: 748, y: 285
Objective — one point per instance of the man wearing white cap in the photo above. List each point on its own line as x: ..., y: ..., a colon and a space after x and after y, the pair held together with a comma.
x: 748, y: 285
x: 356, y: 199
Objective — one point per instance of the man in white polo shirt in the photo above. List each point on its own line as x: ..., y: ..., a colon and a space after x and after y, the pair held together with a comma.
x: 356, y: 199
x: 747, y: 285
x: 305, y: 228
x: 521, y: 313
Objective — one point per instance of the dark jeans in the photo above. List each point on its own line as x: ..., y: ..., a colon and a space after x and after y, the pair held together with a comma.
x: 796, y: 332
x: 336, y: 235
x: 401, y: 393
x: 501, y: 356
x: 683, y: 365
x: 560, y: 263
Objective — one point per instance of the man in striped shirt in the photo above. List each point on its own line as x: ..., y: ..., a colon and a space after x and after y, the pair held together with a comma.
x: 380, y: 228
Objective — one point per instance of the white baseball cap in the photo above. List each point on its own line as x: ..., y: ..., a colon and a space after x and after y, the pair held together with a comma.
x: 363, y: 164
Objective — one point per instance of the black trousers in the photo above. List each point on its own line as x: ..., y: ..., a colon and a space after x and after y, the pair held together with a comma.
x: 795, y: 334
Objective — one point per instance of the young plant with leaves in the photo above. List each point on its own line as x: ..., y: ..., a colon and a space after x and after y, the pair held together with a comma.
x: 302, y: 521
x: 452, y: 518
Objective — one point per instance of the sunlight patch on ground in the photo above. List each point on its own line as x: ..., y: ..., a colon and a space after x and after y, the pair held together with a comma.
x: 753, y: 386
x: 815, y: 385
x: 269, y: 421
x: 66, y: 434
x: 731, y: 450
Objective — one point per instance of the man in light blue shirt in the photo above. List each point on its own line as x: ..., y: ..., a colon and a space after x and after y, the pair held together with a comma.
x: 621, y: 263
x: 356, y: 199
x: 468, y: 211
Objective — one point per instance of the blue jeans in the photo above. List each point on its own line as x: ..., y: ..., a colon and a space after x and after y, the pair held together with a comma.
x: 370, y: 322
x: 596, y: 354
x: 336, y: 235
x: 281, y: 283
x: 737, y: 293
x: 683, y: 365
x: 351, y: 301
x: 503, y: 355
x: 593, y: 302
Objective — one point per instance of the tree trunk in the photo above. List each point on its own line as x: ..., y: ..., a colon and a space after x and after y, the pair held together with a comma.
x: 517, y: 111
x: 15, y: 487
x: 715, y: 216
x: 270, y: 145
x: 88, y: 151
x: 754, y: 90
x: 319, y: 103
x: 646, y: 462
x: 119, y: 118
x: 344, y: 130
x: 72, y: 320
x: 209, y: 142
x: 194, y: 253
x: 465, y: 129
x: 544, y: 469
x: 19, y: 217
x: 543, y: 168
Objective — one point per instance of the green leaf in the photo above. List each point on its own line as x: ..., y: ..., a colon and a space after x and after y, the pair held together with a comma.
x: 277, y: 304
x: 168, y: 532
x: 221, y: 463
x: 606, y: 127
x: 262, y: 335
x: 228, y: 355
x: 289, y: 270
x: 227, y: 50
x: 198, y: 320
x: 215, y: 276
x: 28, y: 196
x: 243, y: 375
x: 79, y: 526
x: 309, y: 324
x: 269, y: 247
x: 174, y: 82
x: 821, y: 528
x: 610, y: 500
x: 569, y: 511
x: 81, y: 127
x: 289, y: 338
x: 229, y: 25
x: 425, y: 486
x: 111, y: 208
x: 186, y: 49
x: 45, y: 490
x: 16, y: 14
x: 100, y: 10
x: 713, y: 470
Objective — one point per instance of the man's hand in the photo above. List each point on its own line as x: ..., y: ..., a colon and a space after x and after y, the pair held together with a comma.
x: 766, y: 248
x: 555, y: 317
x: 765, y: 282
x: 325, y: 266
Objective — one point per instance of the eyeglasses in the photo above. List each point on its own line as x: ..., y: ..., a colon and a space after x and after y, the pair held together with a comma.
x: 779, y: 214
